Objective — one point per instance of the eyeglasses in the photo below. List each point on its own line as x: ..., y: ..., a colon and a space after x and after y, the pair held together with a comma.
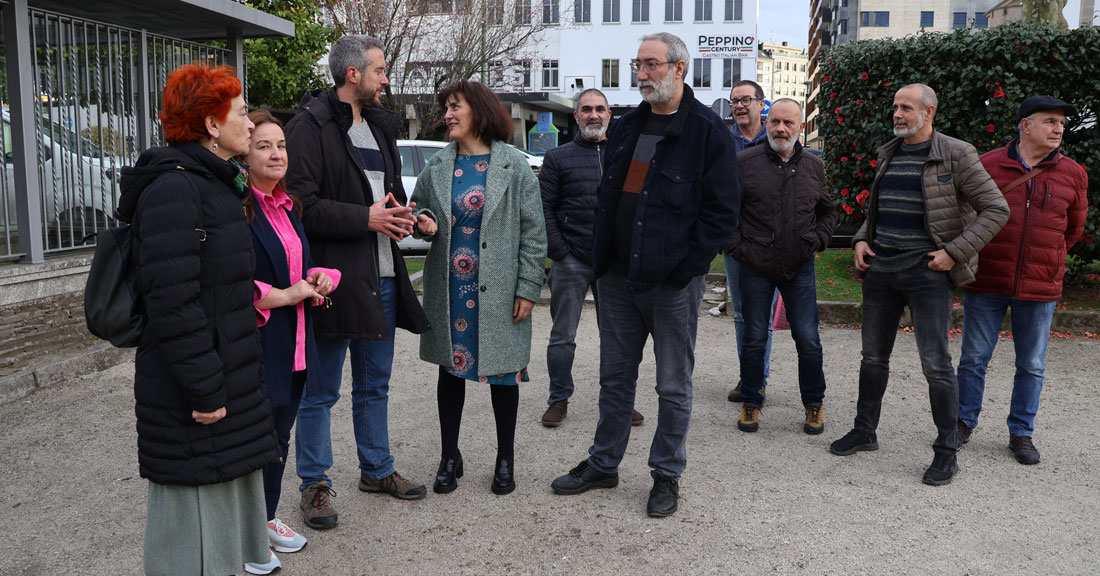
x: 650, y: 66
x: 744, y: 101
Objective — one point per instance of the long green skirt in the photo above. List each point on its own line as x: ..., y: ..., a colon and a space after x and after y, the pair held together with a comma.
x: 206, y: 530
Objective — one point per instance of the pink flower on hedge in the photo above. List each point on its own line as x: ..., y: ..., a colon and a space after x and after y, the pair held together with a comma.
x: 874, y: 163
x: 839, y: 120
x: 843, y: 158
x: 999, y: 94
x: 859, y: 100
x: 848, y: 209
x: 832, y: 96
x: 843, y: 191
x: 826, y: 79
x: 864, y: 75
x: 837, y: 111
x: 990, y: 128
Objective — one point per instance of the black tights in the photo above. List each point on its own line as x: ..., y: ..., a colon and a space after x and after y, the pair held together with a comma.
x: 451, y: 395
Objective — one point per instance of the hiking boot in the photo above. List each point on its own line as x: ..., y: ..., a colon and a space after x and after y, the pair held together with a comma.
x: 1024, y: 449
x: 582, y: 479
x: 749, y: 421
x: 735, y: 394
x: 852, y: 442
x: 269, y: 567
x: 663, y: 497
x: 395, y: 485
x: 282, y: 538
x: 815, y: 420
x: 963, y: 431
x: 943, y: 469
x: 555, y: 413
x: 317, y: 509
x: 636, y: 418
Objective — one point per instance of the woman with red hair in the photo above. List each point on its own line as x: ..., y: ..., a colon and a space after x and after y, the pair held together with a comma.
x: 203, y: 419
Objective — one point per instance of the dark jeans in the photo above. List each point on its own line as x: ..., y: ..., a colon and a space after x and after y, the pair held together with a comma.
x: 928, y: 295
x: 800, y: 299
x: 283, y: 416
x: 569, y: 282
x: 627, y: 319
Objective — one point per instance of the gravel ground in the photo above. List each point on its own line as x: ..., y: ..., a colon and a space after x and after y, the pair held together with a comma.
x: 771, y: 502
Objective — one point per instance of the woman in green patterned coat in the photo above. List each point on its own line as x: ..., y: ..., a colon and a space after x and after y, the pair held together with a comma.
x: 478, y: 203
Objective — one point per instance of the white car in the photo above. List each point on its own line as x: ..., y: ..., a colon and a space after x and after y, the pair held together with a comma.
x: 78, y: 180
x: 414, y: 156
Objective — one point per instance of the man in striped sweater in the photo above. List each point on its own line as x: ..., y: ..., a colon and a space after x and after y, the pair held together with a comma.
x: 932, y: 209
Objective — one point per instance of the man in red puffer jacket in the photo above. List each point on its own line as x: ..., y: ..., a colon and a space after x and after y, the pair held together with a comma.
x: 1022, y: 267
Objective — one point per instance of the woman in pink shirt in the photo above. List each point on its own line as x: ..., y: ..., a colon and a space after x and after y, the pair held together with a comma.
x: 285, y: 283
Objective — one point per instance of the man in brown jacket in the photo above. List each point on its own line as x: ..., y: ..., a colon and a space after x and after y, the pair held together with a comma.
x: 786, y: 217
x: 932, y: 209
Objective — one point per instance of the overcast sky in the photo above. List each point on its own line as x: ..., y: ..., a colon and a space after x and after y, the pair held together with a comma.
x: 790, y: 20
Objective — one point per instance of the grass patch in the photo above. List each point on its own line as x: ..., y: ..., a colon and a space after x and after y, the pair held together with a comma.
x: 414, y: 264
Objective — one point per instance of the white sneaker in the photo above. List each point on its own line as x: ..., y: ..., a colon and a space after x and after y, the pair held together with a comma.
x: 283, y: 539
x: 272, y: 565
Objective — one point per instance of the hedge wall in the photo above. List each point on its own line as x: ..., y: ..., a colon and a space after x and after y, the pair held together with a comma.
x: 980, y: 77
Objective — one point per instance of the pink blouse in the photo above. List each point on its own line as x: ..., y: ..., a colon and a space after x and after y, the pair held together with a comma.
x: 274, y: 206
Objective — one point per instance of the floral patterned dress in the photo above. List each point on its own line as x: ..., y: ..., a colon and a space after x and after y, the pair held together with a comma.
x: 468, y: 201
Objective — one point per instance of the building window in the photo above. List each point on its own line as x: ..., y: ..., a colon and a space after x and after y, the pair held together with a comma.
x: 703, y: 9
x: 926, y: 19
x: 981, y: 20
x: 523, y: 12
x: 674, y: 10
x: 734, y: 10
x: 610, y: 73
x: 842, y: 26
x: 641, y: 11
x: 525, y: 73
x: 610, y: 10
x: 701, y: 78
x: 495, y: 13
x: 550, y: 74
x: 496, y: 73
x: 550, y: 11
x: 731, y: 72
x: 582, y: 11
x: 877, y: 19
x: 958, y: 20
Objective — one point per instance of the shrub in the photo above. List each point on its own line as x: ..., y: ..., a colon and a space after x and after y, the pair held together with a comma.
x: 980, y: 77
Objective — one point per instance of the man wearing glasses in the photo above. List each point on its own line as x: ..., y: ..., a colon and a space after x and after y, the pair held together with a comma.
x: 747, y: 99
x: 668, y: 199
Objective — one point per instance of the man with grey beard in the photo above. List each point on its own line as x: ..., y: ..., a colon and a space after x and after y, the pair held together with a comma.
x: 568, y: 180
x: 667, y: 201
x: 786, y: 217
x: 932, y: 208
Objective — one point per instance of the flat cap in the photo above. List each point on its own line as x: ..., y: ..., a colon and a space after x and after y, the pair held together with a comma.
x: 1042, y: 104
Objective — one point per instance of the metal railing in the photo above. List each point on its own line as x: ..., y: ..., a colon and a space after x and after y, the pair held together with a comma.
x: 97, y: 89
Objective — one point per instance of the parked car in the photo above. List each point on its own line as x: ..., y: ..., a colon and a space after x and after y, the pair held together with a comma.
x: 78, y: 181
x: 414, y: 156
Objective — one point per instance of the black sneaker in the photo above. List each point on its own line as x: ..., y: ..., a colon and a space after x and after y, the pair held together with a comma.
x: 943, y: 469
x: 852, y: 442
x: 663, y: 497
x: 963, y: 432
x: 582, y: 479
x: 1024, y: 449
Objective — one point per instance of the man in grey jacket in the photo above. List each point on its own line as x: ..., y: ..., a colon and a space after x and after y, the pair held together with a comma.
x: 920, y: 240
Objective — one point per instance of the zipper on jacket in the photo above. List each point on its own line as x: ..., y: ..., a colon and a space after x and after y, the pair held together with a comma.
x: 1023, y: 236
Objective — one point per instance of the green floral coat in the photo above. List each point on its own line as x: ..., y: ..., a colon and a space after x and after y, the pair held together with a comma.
x: 512, y: 258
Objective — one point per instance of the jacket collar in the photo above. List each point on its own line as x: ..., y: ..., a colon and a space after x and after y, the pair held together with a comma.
x: 890, y: 148
x: 582, y: 141
x: 638, y: 117
x: 775, y: 155
x: 1013, y: 152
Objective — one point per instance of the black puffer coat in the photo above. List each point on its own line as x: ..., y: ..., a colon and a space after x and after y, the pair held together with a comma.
x: 568, y: 181
x: 324, y: 172
x: 200, y: 349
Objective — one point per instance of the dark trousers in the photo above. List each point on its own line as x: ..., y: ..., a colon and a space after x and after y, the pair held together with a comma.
x: 283, y: 416
x: 928, y: 295
x: 450, y: 398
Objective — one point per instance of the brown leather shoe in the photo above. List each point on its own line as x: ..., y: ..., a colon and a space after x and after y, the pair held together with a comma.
x: 636, y: 418
x: 555, y: 414
x: 395, y: 485
x: 317, y: 509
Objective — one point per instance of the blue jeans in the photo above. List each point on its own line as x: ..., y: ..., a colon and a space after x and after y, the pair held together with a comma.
x: 928, y: 295
x: 569, y: 282
x: 800, y: 299
x: 984, y: 314
x: 671, y: 315
x: 371, y: 363
x: 733, y: 286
